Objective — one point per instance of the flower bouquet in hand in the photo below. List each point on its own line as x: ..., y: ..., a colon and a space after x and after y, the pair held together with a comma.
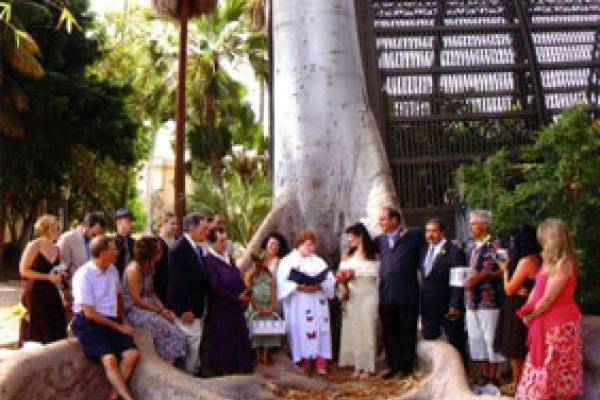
x: 342, y: 278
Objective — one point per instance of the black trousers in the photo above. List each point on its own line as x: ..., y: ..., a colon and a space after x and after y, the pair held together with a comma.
x: 454, y: 329
x: 399, y: 329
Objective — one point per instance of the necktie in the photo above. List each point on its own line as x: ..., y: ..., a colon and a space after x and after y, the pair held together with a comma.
x: 127, y: 252
x: 391, y: 240
x: 429, y: 260
x: 198, y: 251
x: 87, y: 249
x: 474, y: 257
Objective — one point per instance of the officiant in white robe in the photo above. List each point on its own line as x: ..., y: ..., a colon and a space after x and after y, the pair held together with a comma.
x: 306, y: 307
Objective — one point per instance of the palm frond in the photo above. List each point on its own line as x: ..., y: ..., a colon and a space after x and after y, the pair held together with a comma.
x: 25, y: 63
x: 10, y: 125
x: 172, y: 8
x: 18, y: 98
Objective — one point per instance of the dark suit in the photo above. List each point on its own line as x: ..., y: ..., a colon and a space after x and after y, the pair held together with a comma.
x: 399, y: 297
x: 125, y: 252
x: 437, y: 296
x: 188, y: 279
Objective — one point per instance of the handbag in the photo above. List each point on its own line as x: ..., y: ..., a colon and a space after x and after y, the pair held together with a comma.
x: 266, y: 327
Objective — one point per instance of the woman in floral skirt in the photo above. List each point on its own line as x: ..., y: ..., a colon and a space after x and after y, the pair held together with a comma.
x: 554, y: 365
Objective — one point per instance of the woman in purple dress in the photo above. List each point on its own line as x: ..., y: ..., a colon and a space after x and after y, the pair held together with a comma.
x: 228, y: 350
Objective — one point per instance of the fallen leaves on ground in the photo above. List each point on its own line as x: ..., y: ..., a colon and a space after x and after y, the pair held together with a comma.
x: 348, y: 387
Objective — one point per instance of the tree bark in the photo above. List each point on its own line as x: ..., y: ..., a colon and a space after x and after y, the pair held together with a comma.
x: 216, y: 169
x: 330, y: 166
x: 2, y: 230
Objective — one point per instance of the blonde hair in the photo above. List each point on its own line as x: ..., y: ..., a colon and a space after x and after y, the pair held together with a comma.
x: 259, y: 265
x: 553, y: 235
x: 44, y: 225
x: 163, y: 219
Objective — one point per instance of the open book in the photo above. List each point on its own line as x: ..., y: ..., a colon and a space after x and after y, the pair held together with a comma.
x: 302, y: 279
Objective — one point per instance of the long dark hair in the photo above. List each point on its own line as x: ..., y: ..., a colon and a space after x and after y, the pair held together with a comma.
x: 369, y: 246
x: 284, y: 248
x: 523, y: 243
x: 145, y: 249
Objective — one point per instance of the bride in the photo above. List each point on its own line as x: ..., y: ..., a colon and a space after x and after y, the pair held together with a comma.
x: 359, y: 321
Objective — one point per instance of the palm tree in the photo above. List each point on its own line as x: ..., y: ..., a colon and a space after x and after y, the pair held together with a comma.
x: 220, y: 111
x: 182, y: 11
x: 221, y: 117
x: 18, y: 61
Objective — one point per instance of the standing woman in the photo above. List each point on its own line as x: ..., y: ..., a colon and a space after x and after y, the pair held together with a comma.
x: 263, y: 303
x: 359, y: 321
x: 554, y: 366
x: 519, y: 277
x: 276, y: 248
x: 45, y: 321
x: 167, y: 236
x: 304, y: 285
x: 228, y: 350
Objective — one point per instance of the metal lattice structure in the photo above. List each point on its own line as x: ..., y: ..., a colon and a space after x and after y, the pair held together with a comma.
x: 462, y: 79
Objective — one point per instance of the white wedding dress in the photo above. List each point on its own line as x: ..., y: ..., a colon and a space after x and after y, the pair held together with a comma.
x: 358, y: 347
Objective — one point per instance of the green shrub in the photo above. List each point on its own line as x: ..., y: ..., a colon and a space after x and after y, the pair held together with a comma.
x: 559, y: 176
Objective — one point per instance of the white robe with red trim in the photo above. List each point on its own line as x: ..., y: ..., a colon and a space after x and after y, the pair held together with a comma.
x: 306, y: 314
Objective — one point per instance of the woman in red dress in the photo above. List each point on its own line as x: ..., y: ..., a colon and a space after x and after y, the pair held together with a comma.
x: 554, y: 366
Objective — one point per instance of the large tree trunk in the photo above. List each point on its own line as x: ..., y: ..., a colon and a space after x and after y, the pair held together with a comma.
x: 330, y: 167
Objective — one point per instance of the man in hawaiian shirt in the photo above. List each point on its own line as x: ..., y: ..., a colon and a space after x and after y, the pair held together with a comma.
x: 482, y: 295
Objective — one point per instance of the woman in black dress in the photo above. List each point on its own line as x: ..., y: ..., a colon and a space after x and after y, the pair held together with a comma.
x: 518, y: 277
x: 45, y: 319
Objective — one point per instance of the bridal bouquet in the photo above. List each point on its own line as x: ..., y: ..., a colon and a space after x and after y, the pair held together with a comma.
x: 342, y: 278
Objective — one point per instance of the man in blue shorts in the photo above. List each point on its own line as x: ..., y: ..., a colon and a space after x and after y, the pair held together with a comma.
x: 98, y: 322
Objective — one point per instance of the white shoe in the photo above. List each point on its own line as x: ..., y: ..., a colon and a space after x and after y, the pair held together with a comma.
x: 491, y: 389
x: 477, y: 390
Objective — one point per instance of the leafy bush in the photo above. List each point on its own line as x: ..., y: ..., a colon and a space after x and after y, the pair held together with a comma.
x: 245, y: 200
x: 556, y: 176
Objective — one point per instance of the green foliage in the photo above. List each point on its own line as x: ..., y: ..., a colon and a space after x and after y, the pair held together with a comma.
x: 135, y: 204
x: 68, y: 114
x: 140, y: 51
x: 18, y: 60
x: 245, y: 201
x: 557, y: 176
x: 220, y: 116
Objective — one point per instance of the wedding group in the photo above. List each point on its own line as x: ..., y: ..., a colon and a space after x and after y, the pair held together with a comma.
x: 492, y: 304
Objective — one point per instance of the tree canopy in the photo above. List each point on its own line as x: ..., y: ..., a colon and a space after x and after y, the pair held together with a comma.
x: 68, y: 113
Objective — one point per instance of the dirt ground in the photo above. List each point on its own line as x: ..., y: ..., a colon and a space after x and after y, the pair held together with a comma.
x: 10, y: 293
x: 346, y: 387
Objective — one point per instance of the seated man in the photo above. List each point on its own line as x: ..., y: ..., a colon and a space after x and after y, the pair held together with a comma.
x: 98, y: 322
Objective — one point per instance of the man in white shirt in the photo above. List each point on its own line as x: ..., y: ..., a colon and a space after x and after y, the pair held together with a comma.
x: 98, y: 322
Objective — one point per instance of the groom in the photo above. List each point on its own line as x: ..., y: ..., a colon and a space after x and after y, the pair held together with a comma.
x: 399, y: 249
